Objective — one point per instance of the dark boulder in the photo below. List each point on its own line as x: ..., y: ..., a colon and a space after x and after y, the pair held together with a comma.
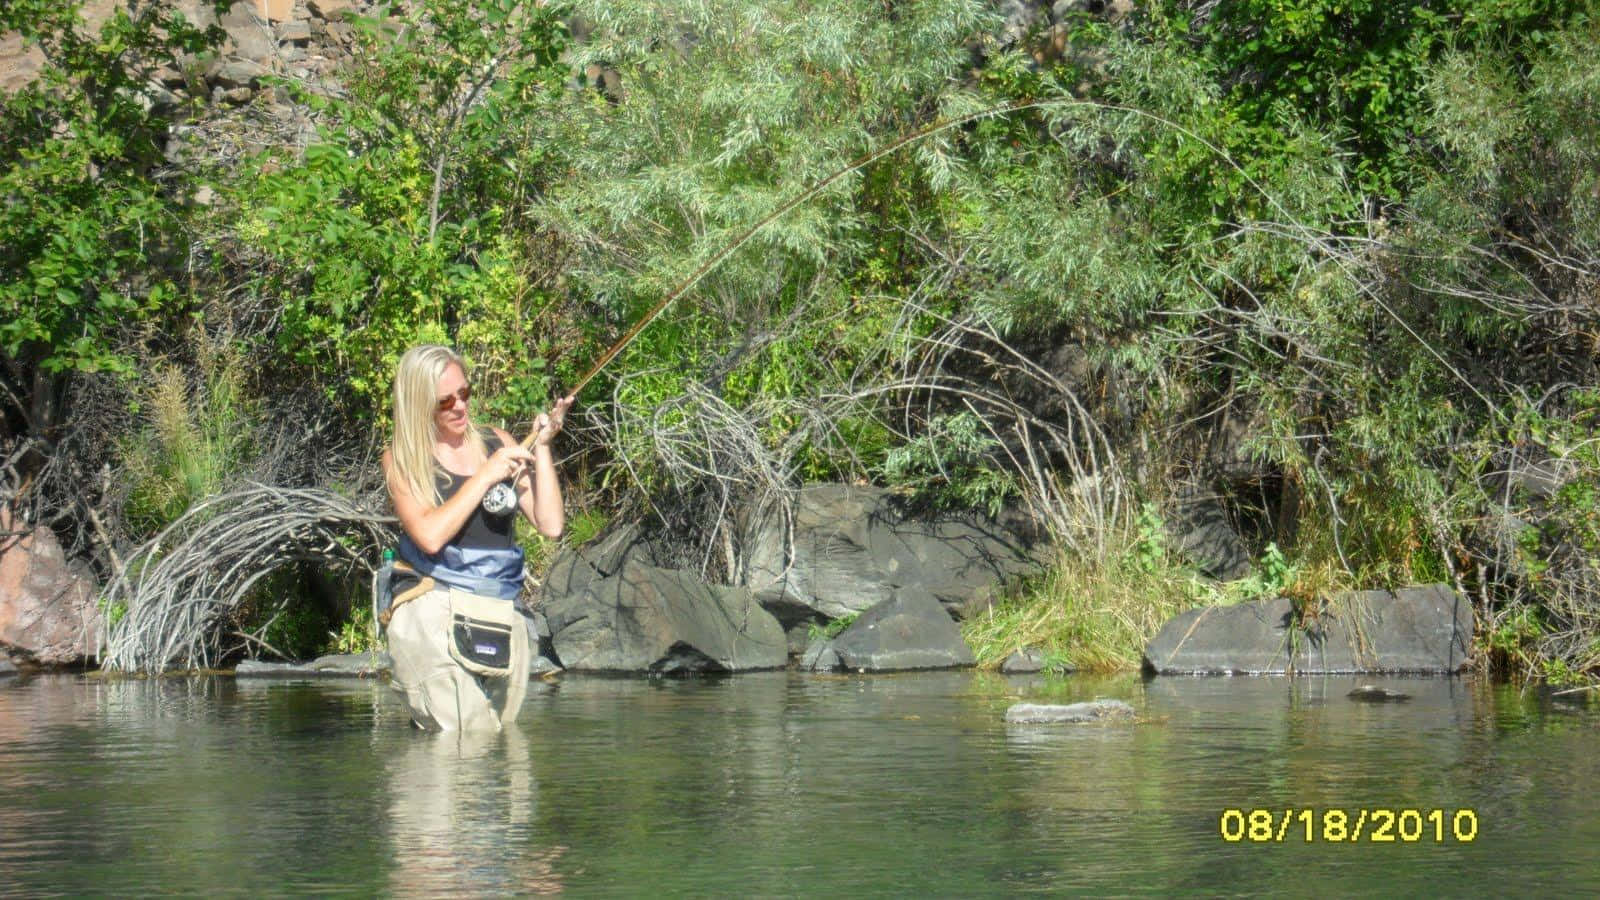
x: 575, y: 567
x: 847, y: 548
x: 1202, y: 533
x: 649, y: 619
x: 911, y: 630
x: 1423, y: 630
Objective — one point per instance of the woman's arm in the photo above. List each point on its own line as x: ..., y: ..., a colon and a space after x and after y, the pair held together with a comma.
x: 433, y: 527
x: 540, y: 495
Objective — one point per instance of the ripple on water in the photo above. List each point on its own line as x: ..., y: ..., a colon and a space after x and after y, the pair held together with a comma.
x: 777, y: 783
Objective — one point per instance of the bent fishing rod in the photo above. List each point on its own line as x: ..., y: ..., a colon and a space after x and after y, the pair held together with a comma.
x: 912, y: 137
x: 744, y: 237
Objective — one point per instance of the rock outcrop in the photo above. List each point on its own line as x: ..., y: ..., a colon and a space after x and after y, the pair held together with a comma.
x: 48, y: 614
x: 644, y: 618
x: 1421, y: 630
x: 846, y: 549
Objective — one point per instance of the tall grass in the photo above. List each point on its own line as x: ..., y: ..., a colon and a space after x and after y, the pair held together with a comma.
x: 1089, y: 613
x: 195, y: 436
x: 1094, y: 611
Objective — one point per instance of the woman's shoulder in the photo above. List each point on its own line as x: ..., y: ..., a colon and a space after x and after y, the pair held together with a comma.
x: 495, y: 438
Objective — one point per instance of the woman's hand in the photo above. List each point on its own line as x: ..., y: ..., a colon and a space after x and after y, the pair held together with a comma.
x: 509, y: 462
x: 548, y: 425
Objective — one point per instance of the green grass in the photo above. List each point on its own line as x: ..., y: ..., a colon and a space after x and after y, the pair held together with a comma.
x: 1096, y: 614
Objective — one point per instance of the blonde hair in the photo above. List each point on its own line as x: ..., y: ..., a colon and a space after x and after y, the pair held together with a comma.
x: 416, y: 380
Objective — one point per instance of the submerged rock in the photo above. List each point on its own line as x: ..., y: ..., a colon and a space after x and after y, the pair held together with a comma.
x: 1023, y: 662
x: 7, y: 669
x: 1419, y: 630
x: 1371, y: 693
x: 1091, y: 711
x: 338, y: 665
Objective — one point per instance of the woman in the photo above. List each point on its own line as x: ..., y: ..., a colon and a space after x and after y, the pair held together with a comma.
x: 459, y: 648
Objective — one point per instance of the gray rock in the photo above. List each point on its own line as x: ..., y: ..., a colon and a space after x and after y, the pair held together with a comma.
x: 330, y: 9
x: 1023, y: 662
x: 574, y: 568
x: 339, y: 665
x: 541, y: 666
x: 1541, y: 480
x: 238, y: 73
x: 538, y: 626
x: 846, y: 549
x: 820, y: 657
x: 293, y: 32
x: 1092, y: 711
x: 649, y: 619
x: 48, y: 614
x: 249, y: 35
x: 1423, y: 630
x: 1062, y: 9
x: 1020, y: 16
x: 908, y: 631
x: 1200, y: 531
x: 7, y: 667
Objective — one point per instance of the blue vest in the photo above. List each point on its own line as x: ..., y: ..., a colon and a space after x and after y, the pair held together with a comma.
x: 492, y: 572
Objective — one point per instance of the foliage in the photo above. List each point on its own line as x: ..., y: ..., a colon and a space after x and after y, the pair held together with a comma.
x: 1360, y: 67
x: 832, y: 629
x: 727, y: 110
x: 1147, y: 552
x: 951, y: 465
x: 86, y: 229
x: 357, y: 634
x: 196, y: 439
x: 403, y: 223
x: 1090, y: 613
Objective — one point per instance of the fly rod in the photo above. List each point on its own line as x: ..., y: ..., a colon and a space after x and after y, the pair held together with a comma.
x: 750, y: 232
x: 744, y: 237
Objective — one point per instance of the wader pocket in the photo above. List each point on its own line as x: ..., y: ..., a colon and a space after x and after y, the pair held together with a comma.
x: 480, y: 632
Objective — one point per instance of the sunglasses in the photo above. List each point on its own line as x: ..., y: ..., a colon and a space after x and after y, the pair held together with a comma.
x: 448, y: 401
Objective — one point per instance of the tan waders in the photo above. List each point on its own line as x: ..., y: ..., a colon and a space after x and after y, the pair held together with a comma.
x: 443, y: 695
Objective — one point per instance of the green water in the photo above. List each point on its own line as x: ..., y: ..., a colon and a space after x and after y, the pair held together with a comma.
x: 784, y: 784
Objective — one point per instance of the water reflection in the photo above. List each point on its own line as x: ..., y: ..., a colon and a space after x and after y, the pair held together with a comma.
x: 781, y: 783
x: 461, y: 810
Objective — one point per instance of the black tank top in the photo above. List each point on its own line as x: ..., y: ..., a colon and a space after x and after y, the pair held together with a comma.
x: 482, y: 530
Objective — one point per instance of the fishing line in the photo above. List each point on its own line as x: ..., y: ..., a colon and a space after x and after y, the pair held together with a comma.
x: 1003, y: 109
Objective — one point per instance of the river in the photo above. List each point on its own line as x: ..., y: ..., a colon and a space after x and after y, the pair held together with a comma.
x: 785, y: 784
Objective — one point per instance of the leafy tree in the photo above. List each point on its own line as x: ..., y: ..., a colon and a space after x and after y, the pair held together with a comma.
x: 88, y: 232
x: 1359, y: 66
x: 405, y: 220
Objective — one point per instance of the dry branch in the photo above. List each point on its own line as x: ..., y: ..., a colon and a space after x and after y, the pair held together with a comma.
x: 180, y: 592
